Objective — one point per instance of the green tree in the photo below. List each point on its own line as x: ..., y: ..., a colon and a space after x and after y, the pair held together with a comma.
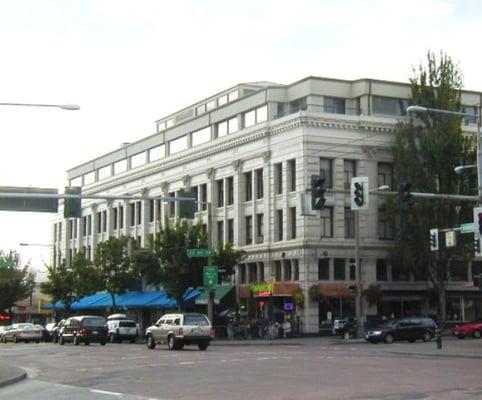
x: 426, y: 150
x: 113, y: 267
x: 71, y: 284
x: 16, y: 282
x: 226, y: 258
x: 176, y: 272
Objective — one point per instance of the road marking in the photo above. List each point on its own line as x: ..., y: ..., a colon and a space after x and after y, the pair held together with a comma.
x: 106, y: 392
x: 187, y: 362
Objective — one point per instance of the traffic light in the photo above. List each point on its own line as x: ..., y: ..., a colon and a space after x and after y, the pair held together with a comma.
x: 477, y: 247
x: 434, y: 246
x: 73, y: 206
x: 359, y: 193
x: 317, y: 192
x: 359, y: 198
x: 477, y: 222
x: 405, y: 192
x: 187, y: 208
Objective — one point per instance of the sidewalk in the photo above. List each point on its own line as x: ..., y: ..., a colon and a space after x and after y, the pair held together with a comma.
x: 9, y: 375
x: 295, y: 341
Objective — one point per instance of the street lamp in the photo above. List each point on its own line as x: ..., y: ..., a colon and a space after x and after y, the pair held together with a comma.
x: 459, y: 169
x: 70, y: 107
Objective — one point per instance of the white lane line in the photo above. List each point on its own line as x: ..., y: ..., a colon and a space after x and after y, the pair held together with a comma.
x: 106, y: 392
x: 187, y: 362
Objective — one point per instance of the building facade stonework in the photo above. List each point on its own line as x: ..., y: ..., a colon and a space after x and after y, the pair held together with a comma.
x: 249, y: 153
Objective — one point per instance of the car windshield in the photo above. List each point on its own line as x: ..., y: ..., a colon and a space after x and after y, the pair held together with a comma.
x: 23, y: 326
x: 388, y: 324
x: 94, y: 322
x: 127, y: 324
x: 199, y: 320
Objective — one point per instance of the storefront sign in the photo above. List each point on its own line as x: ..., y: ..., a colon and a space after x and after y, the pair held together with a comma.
x: 262, y: 289
x: 288, y: 306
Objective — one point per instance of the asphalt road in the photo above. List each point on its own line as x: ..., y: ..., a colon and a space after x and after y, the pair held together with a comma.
x: 310, y: 370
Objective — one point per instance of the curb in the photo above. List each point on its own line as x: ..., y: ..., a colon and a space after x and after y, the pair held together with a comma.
x: 17, y: 376
x: 253, y: 343
x: 406, y: 353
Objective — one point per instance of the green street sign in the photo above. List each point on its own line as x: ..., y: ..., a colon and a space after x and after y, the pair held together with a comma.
x: 210, y: 275
x: 200, y: 252
x: 467, y: 228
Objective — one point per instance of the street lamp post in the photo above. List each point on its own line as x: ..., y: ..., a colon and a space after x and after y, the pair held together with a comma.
x: 458, y: 169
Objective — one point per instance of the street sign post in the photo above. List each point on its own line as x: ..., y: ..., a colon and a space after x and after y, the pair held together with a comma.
x: 210, y: 275
x: 200, y: 253
x: 467, y: 228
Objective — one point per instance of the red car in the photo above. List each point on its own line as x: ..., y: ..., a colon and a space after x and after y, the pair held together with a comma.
x: 473, y: 329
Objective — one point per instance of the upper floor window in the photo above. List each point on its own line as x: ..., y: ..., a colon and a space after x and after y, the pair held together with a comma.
x: 389, y: 105
x: 248, y: 186
x: 201, y: 109
x: 157, y: 153
x: 385, y: 174
x: 223, y: 100
x: 323, y: 269
x: 334, y: 105
x: 385, y: 231
x: 291, y: 178
x: 104, y: 172
x: 230, y: 190
x: 349, y: 223
x: 220, y: 192
x: 177, y: 145
x: 120, y: 166
x: 382, y: 270
x: 326, y: 171
x: 259, y: 184
x: 233, y: 96
x: 201, y: 136
x: 138, y: 160
x: 278, y: 176
x: 326, y: 222
x: 89, y: 178
x: 211, y: 105
x: 256, y: 116
x: 470, y: 110
x: 76, y: 181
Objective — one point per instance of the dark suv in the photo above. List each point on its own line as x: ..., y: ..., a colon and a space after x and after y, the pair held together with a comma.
x: 410, y: 329
x: 84, y: 329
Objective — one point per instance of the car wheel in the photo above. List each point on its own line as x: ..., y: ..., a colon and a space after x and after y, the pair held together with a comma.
x: 75, y: 341
x: 102, y: 343
x: 61, y: 340
x: 388, y: 338
x: 171, y: 343
x: 86, y: 343
x: 477, y: 335
x: 133, y: 340
x: 150, y: 342
x: 411, y: 340
x: 461, y: 336
x: 427, y: 337
x: 55, y: 339
x: 112, y: 338
x: 203, y: 346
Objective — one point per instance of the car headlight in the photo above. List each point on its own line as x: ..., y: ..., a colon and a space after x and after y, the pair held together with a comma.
x: 377, y: 332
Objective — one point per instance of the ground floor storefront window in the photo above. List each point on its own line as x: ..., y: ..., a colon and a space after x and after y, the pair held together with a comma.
x: 331, y: 308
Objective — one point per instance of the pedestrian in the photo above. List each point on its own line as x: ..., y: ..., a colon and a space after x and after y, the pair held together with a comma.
x: 230, y: 329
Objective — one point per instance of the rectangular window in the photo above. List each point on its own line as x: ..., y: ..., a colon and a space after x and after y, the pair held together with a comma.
x: 349, y: 171
x: 385, y: 231
x: 349, y: 223
x: 115, y: 217
x: 151, y: 210
x: 177, y: 145
x: 233, y: 96
x: 230, y: 189
x: 195, y: 194
x: 250, y: 118
x: 334, y: 105
x: 121, y: 217
x: 76, y: 181
x: 211, y: 105
x: 233, y: 125
x: 201, y: 136
x: 201, y: 109
x: 259, y: 228
x: 222, y: 129
x: 470, y: 110
x: 292, y: 211
x: 278, y: 178
x: 84, y: 227
x: 385, y: 174
x: 287, y: 271
x: 249, y: 230
x: 169, y: 123
x: 104, y: 172
x: 291, y: 175
x: 259, y: 184
x: 60, y: 231
x: 138, y: 159
x: 99, y: 222
x: 261, y: 114
x: 382, y: 271
x: 242, y: 273
x: 220, y: 232
x: 220, y: 192
x: 389, y: 105
x: 71, y: 228
x: 279, y: 224
x: 222, y: 100
x: 204, y: 196
x: 352, y: 267
x: 156, y: 153
x: 339, y: 269
x: 139, y: 212
x: 120, y: 166
x: 248, y: 185
x: 326, y: 222
x: 326, y: 171
x: 104, y: 221
x: 231, y: 231
x: 132, y: 207
x: 89, y: 178
x: 172, y: 205
x: 277, y: 271
x: 323, y: 269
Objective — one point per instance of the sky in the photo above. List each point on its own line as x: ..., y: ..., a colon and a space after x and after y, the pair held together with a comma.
x: 129, y: 63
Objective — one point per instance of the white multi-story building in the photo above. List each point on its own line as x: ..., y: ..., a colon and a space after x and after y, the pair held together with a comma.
x: 250, y: 152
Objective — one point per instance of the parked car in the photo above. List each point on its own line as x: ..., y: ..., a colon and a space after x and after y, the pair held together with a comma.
x: 23, y: 332
x: 178, y: 330
x: 410, y: 329
x: 84, y: 329
x: 473, y: 329
x: 344, y: 326
x: 55, y: 333
x: 45, y: 333
x: 120, y: 328
x: 3, y: 328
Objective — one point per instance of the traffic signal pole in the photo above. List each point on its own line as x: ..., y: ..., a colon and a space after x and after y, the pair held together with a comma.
x: 358, y: 278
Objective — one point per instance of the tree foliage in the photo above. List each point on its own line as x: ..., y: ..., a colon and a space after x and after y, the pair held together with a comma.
x: 226, y: 258
x: 425, y: 152
x: 16, y: 282
x: 113, y: 268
